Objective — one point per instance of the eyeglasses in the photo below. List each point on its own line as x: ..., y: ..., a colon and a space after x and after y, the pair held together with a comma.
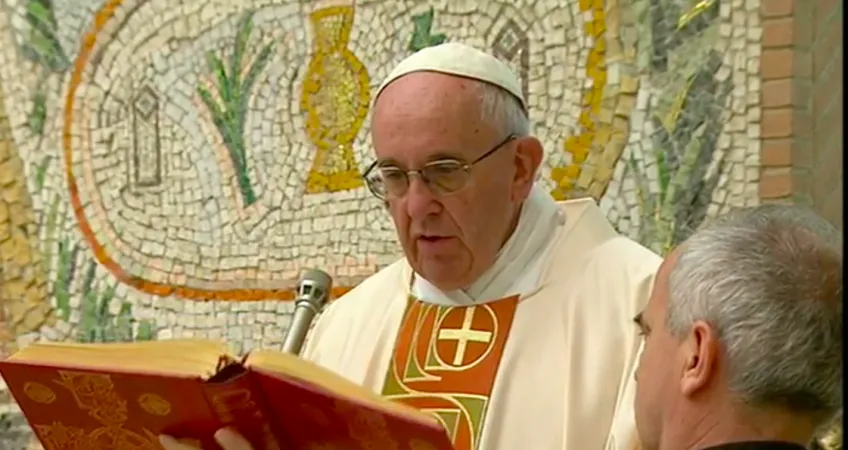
x: 442, y: 177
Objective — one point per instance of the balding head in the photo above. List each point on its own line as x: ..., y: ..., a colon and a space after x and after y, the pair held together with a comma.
x: 750, y: 307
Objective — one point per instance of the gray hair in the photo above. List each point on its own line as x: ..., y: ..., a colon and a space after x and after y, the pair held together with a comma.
x: 769, y: 279
x: 502, y: 109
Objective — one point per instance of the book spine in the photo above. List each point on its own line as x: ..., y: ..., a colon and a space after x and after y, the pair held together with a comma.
x: 237, y: 403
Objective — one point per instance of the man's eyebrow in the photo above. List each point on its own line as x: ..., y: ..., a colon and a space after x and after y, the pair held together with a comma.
x: 387, y: 163
x: 441, y: 156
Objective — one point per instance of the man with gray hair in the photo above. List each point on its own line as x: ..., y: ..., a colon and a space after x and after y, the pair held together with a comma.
x: 509, y: 316
x: 743, y: 335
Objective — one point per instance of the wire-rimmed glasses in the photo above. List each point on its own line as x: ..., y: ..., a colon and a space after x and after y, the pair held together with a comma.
x: 444, y: 176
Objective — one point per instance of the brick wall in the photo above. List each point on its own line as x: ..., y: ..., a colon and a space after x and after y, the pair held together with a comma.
x: 801, y: 69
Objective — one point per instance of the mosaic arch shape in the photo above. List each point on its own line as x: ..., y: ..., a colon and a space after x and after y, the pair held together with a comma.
x: 172, y: 208
x: 231, y: 255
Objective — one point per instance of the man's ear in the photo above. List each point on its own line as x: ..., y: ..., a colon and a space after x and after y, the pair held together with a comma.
x: 528, y: 159
x: 701, y: 350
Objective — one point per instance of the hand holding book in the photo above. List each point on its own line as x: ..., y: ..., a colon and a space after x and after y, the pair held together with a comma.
x: 225, y: 437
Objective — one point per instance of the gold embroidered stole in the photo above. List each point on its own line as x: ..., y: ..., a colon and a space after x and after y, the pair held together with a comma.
x: 445, y: 361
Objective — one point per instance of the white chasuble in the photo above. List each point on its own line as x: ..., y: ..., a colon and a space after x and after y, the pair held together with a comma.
x: 539, y: 355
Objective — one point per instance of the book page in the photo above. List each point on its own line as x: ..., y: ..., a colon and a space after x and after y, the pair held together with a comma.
x: 183, y: 357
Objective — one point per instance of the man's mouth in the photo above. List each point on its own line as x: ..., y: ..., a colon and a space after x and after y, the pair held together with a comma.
x: 427, y: 238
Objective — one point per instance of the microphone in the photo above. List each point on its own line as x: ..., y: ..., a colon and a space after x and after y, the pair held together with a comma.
x: 313, y: 291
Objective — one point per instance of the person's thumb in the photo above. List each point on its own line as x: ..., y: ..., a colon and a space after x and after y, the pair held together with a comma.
x: 230, y: 440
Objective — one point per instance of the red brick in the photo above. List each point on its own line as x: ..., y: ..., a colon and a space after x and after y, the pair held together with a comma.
x: 777, y: 93
x: 777, y: 8
x: 776, y: 153
x: 776, y: 123
x: 777, y: 63
x: 778, y: 32
x: 775, y: 183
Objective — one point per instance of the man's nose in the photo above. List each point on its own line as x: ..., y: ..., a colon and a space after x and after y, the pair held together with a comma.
x: 420, y: 200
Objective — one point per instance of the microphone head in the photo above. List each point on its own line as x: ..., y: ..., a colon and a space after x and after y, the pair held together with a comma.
x: 314, y: 287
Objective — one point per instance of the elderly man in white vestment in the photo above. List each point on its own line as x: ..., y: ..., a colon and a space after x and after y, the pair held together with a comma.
x: 525, y: 304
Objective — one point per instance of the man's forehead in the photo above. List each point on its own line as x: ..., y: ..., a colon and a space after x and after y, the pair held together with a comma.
x: 660, y: 292
x: 416, y: 90
x: 668, y: 264
x: 427, y: 116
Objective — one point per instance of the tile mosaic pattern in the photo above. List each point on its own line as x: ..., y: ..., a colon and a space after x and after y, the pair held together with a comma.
x: 161, y: 163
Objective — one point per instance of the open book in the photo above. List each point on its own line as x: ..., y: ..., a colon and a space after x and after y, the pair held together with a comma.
x: 112, y: 396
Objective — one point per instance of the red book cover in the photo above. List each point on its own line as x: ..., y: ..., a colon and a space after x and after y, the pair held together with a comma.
x: 77, y: 408
x: 83, y: 409
x: 313, y: 418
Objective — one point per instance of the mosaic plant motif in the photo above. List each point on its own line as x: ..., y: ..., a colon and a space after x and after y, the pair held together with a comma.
x: 99, y: 323
x: 228, y: 107
x: 684, y: 142
x: 42, y: 47
x: 422, y: 34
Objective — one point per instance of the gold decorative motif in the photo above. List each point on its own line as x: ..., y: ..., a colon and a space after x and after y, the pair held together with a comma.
x: 154, y: 404
x: 335, y: 99
x: 367, y: 428
x: 118, y: 438
x: 463, y: 336
x: 95, y: 394
x: 58, y: 436
x: 445, y: 361
x: 39, y: 393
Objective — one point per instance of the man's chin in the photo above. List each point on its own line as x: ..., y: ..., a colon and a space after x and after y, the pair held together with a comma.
x: 445, y: 276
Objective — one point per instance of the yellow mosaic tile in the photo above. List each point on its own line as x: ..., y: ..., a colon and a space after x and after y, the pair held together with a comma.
x: 24, y: 303
x: 579, y: 146
x: 335, y: 99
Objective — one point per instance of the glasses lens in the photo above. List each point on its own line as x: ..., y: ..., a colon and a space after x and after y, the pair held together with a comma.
x: 388, y: 181
x: 445, y: 177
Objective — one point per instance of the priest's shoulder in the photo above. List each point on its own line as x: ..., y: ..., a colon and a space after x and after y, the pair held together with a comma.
x: 592, y: 238
x: 376, y: 290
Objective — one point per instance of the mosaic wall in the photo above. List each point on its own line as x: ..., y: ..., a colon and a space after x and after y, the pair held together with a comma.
x: 167, y: 168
